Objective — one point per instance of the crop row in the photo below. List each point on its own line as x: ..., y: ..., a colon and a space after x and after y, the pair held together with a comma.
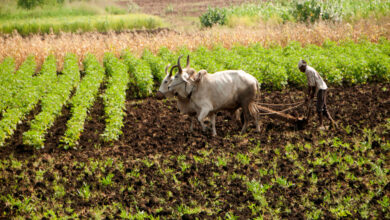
x: 115, y: 96
x: 276, y: 66
x: 83, y: 100
x: 12, y: 82
x: 28, y: 96
x: 140, y: 74
x: 51, y: 104
x: 7, y: 68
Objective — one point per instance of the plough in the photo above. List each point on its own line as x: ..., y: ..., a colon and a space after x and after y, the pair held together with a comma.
x: 300, y: 122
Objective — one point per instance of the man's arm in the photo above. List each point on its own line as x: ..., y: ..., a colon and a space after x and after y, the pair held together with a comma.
x: 310, y: 92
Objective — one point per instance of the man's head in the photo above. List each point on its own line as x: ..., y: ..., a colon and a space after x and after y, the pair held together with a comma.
x: 302, y: 65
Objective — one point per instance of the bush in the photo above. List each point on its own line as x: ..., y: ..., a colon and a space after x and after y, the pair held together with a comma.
x: 308, y: 10
x: 213, y: 16
x: 29, y: 4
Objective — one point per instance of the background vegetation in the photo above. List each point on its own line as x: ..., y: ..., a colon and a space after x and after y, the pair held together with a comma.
x: 308, y: 11
x: 46, y: 16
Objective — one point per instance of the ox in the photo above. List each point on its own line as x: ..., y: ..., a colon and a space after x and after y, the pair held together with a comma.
x: 183, y: 104
x: 207, y: 94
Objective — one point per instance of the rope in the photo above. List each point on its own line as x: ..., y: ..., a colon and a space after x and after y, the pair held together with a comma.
x: 271, y: 104
x: 287, y: 109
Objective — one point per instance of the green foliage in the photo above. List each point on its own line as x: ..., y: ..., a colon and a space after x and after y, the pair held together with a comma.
x: 83, y: 100
x: 213, y: 16
x: 140, y: 74
x: 156, y: 63
x: 57, y: 95
x: 28, y: 93
x: 85, y: 192
x: 308, y: 10
x: 107, y: 181
x: 30, y: 4
x: 115, y: 96
x: 298, y: 10
x: 276, y: 67
x: 100, y: 23
x: 7, y: 76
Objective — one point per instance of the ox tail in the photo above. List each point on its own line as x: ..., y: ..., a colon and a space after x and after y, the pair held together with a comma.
x: 253, y: 109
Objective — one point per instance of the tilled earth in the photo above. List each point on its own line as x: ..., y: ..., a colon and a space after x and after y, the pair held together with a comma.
x: 162, y: 169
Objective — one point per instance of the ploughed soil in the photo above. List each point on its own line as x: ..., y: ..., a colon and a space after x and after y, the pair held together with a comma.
x: 160, y: 166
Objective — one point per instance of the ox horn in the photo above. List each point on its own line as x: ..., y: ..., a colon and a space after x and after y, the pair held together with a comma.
x: 179, y: 66
x: 170, y: 72
x: 188, y: 62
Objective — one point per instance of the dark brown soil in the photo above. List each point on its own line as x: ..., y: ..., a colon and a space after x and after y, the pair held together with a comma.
x: 154, y: 131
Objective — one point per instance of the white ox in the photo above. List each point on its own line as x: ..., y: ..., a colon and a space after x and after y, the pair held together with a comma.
x: 209, y: 93
x: 183, y: 104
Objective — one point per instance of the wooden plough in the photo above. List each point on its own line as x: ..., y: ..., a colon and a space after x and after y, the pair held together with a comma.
x: 300, y: 122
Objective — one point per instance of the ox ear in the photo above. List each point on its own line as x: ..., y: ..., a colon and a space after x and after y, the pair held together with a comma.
x: 188, y: 62
x: 200, y: 75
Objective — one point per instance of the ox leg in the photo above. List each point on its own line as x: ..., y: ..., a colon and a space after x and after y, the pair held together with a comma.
x: 256, y: 116
x: 246, y: 117
x: 212, y: 119
x: 202, y: 115
x: 192, y: 124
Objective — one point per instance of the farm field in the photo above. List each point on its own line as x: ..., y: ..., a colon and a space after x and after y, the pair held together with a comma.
x: 157, y: 168
x: 82, y: 134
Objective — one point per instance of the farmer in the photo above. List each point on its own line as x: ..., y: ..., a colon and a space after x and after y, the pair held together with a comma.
x: 316, y: 85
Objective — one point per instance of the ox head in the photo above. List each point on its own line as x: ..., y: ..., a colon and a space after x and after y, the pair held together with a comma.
x: 163, y: 90
x: 181, y: 79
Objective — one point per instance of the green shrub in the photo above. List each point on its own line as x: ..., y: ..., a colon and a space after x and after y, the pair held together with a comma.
x: 30, y: 4
x: 213, y: 16
x: 308, y: 10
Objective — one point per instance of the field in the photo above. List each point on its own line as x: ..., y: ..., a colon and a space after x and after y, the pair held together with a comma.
x: 82, y: 135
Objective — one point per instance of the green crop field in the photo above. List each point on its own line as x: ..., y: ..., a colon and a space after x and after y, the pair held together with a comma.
x: 84, y: 136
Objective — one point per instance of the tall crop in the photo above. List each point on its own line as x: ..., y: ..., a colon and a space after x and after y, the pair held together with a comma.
x: 13, y: 83
x: 27, y: 97
x: 276, y: 67
x: 140, y: 74
x: 83, y: 100
x: 7, y: 68
x: 156, y: 63
x: 52, y: 103
x: 115, y: 96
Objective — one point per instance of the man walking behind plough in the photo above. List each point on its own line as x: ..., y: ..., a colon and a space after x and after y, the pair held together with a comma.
x: 316, y: 85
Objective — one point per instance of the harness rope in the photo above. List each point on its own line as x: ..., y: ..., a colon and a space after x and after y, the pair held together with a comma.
x: 287, y: 109
x: 271, y: 104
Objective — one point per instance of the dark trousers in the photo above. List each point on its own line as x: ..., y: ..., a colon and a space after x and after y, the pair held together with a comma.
x: 321, y: 102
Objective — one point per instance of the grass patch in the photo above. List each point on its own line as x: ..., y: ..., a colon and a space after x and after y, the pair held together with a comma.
x: 100, y: 23
x: 10, y: 11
